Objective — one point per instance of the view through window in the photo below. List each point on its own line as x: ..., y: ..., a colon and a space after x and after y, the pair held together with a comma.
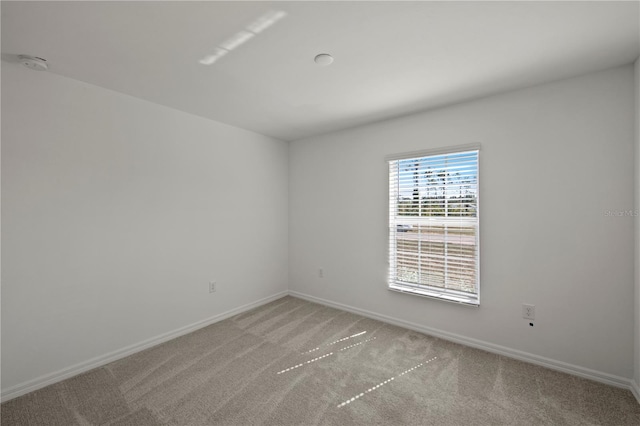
x: 434, y: 226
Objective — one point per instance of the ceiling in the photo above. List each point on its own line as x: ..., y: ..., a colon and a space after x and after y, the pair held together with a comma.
x: 391, y: 58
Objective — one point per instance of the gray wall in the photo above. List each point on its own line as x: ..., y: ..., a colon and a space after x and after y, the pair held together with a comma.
x: 117, y: 212
x: 554, y: 159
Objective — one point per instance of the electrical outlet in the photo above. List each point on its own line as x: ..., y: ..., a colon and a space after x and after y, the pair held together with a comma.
x: 212, y: 286
x: 528, y: 311
x: 320, y: 273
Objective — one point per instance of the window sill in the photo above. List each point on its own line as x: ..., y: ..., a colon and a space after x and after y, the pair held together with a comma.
x: 472, y: 301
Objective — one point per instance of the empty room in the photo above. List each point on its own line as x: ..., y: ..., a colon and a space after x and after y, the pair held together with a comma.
x: 320, y: 213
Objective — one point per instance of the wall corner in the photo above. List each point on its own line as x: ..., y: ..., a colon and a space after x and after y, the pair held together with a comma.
x: 636, y: 357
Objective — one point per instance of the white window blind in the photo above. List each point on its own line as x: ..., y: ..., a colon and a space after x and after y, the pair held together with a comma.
x: 434, y: 225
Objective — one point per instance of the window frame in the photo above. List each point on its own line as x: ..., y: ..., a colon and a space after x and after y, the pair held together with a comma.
x: 436, y: 293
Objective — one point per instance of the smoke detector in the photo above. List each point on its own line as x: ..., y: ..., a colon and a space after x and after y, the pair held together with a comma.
x: 33, y: 62
x: 323, y: 59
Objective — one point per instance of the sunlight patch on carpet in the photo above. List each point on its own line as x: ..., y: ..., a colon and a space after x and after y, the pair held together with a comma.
x: 357, y: 344
x: 371, y: 389
x: 304, y: 363
x: 333, y: 343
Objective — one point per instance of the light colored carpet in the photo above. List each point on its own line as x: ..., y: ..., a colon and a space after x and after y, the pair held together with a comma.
x: 294, y: 362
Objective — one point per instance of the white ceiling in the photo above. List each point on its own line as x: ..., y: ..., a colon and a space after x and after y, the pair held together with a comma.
x: 391, y: 58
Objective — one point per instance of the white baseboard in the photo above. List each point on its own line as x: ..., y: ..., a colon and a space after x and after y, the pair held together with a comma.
x: 635, y: 390
x: 57, y: 376
x: 65, y: 373
x: 576, y: 370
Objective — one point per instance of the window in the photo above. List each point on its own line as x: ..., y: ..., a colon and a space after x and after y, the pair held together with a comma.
x: 433, y: 224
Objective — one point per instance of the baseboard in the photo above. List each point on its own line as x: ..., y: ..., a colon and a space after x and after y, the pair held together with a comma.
x: 57, y: 376
x: 48, y: 379
x: 586, y: 373
x: 635, y: 390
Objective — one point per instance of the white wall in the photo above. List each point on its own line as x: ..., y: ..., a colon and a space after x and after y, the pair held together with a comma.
x: 554, y: 158
x: 116, y: 213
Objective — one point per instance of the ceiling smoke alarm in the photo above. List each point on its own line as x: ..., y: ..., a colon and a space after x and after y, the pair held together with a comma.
x: 323, y: 59
x: 33, y: 62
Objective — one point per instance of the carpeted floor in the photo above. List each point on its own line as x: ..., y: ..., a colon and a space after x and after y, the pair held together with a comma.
x: 294, y: 362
